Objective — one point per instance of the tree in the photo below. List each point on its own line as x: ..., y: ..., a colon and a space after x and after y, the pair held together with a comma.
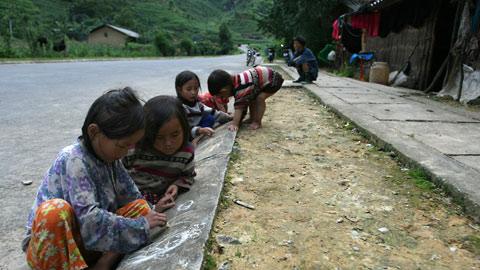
x: 311, y: 19
x: 163, y: 44
x: 187, y: 46
x: 21, y: 18
x: 225, y: 38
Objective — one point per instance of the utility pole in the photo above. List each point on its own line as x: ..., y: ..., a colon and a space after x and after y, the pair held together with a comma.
x: 10, y: 27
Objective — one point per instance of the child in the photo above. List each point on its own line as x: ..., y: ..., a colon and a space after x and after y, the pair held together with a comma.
x: 200, y: 117
x: 305, y: 62
x: 217, y: 103
x: 162, y: 162
x: 250, y: 88
x: 87, y: 209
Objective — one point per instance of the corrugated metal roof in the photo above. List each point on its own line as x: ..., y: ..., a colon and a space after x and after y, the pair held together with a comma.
x: 354, y: 4
x: 368, y: 5
x: 379, y: 4
x: 124, y: 31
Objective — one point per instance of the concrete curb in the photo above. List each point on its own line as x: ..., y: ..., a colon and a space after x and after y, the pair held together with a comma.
x: 182, y: 244
x: 456, y: 178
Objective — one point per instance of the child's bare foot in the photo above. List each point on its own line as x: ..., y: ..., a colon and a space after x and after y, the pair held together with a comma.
x: 254, y: 126
x: 248, y: 121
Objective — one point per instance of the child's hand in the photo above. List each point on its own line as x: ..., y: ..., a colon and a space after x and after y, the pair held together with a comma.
x: 206, y: 131
x: 155, y: 219
x: 164, y: 203
x: 233, y: 127
x: 172, y: 191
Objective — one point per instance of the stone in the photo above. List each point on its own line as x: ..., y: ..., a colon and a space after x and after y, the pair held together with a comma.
x: 286, y: 243
x: 383, y: 230
x: 27, y: 182
x: 237, y: 180
x: 224, y: 266
x: 227, y: 240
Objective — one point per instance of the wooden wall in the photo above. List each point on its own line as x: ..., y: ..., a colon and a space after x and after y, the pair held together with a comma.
x: 397, y: 47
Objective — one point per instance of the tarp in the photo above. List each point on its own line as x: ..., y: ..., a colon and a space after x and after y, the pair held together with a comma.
x: 470, y: 86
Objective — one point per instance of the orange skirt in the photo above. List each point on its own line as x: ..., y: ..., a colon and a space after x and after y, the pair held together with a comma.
x: 56, y: 242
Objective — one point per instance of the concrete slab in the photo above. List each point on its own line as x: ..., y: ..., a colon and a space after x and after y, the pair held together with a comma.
x: 181, y: 246
x: 327, y: 81
x: 448, y: 138
x: 291, y: 84
x: 411, y: 112
x: 472, y: 161
x: 346, y: 90
x: 369, y: 98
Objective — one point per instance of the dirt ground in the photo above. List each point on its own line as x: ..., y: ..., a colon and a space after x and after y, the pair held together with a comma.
x: 325, y: 198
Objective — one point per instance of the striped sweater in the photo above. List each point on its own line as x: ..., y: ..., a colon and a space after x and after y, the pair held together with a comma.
x: 248, y: 84
x: 154, y: 172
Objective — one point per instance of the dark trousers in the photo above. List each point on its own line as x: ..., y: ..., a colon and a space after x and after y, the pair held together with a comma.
x: 311, y: 75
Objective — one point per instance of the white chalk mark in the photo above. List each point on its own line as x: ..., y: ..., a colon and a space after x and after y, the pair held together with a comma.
x: 162, y: 248
x: 185, y: 206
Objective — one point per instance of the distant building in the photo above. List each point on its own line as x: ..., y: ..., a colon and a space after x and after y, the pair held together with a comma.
x: 111, y: 35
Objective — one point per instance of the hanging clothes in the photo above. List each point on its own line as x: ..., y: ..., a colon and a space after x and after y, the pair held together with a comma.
x: 336, y: 30
x: 476, y: 18
x: 351, y: 38
x: 369, y: 21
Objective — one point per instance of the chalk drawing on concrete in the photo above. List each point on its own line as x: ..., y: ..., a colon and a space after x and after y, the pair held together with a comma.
x: 165, y: 246
x: 185, y: 206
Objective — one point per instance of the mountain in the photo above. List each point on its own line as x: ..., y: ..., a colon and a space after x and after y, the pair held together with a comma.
x: 179, y: 19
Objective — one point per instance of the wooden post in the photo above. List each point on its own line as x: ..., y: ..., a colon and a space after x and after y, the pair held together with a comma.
x: 364, y: 40
x: 362, y: 75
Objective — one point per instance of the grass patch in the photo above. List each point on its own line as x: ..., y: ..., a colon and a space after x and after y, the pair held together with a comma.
x: 345, y: 71
x: 399, y: 239
x: 235, y: 154
x: 421, y: 180
x: 472, y: 244
x: 209, y: 263
x: 238, y: 253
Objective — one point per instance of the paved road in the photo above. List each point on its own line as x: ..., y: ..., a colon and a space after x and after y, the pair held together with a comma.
x: 42, y: 108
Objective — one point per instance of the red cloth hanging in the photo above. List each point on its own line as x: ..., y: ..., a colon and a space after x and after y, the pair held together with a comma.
x: 336, y: 31
x: 370, y: 21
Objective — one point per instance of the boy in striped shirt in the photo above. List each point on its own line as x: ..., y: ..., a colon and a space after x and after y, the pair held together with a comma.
x: 249, y: 88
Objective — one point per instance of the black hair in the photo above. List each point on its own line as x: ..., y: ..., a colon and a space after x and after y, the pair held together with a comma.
x: 118, y: 114
x: 300, y: 40
x: 182, y: 78
x: 158, y: 111
x: 217, y: 80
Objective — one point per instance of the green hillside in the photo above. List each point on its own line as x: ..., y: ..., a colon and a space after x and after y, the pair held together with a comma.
x: 177, y: 21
